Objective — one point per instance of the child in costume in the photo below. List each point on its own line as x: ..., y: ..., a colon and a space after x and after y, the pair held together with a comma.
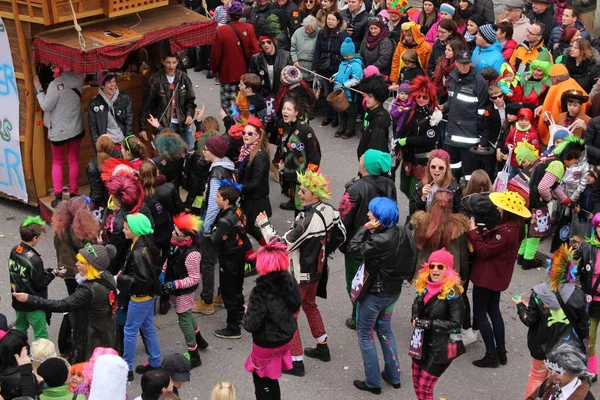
x: 182, y: 276
x: 402, y: 106
x: 522, y: 131
x: 572, y: 101
x: 508, y: 80
x: 350, y: 73
x: 27, y: 275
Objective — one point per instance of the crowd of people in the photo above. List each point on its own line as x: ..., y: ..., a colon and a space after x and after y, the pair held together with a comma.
x: 489, y: 114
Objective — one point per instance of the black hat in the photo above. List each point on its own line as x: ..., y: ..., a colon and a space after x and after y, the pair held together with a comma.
x: 178, y: 366
x: 54, y: 371
x: 464, y: 56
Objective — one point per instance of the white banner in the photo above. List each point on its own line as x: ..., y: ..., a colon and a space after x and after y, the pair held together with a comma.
x: 12, y: 180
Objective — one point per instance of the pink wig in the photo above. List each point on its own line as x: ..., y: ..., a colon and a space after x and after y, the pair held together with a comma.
x: 596, y: 220
x: 128, y: 190
x: 88, y: 369
x: 441, y: 154
x: 65, y: 212
x: 272, y: 257
x: 85, y: 226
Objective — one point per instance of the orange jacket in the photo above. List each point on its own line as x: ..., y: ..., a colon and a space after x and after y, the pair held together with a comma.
x: 422, y: 48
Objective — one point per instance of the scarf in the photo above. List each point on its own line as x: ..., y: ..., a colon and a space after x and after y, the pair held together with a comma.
x: 246, y: 150
x: 181, y: 243
x: 432, y: 289
x: 425, y: 110
x: 371, y: 42
x: 442, y: 70
x: 80, y: 279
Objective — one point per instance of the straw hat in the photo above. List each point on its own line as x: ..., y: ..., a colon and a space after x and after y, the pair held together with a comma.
x: 511, y: 202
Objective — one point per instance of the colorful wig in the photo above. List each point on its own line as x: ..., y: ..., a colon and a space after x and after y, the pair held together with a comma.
x: 65, y: 213
x: 88, y: 369
x: 189, y: 224
x: 385, y: 210
x: 255, y: 122
x: 568, y: 148
x: 240, y: 108
x: 449, y: 287
x: 77, y: 369
x: 561, y: 269
x: 272, y: 257
x: 423, y: 85
x: 316, y: 182
x: 230, y: 183
x: 116, y: 167
x: 128, y: 190
x: 170, y: 145
x: 542, y: 65
x: 526, y: 151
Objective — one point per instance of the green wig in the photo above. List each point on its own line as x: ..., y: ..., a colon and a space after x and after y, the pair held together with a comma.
x: 317, y: 183
x: 570, y: 144
x: 170, y: 145
x: 543, y: 65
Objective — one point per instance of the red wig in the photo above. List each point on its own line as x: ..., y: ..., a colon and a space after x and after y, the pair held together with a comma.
x: 255, y: 122
x: 128, y: 190
x: 189, y: 224
x: 85, y: 226
x: 65, y: 213
x: 567, y: 34
x: 116, y: 166
x: 423, y: 85
x: 272, y: 257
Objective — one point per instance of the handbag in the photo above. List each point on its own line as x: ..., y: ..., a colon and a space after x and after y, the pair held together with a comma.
x: 358, y: 282
x: 455, y: 346
x: 540, y: 223
x: 501, y: 182
x: 553, y: 127
x: 520, y: 184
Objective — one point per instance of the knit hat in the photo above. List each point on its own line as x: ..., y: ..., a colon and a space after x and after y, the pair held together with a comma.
x: 403, y: 88
x: 217, y: 145
x: 378, y: 22
x: 525, y: 113
x: 558, y: 70
x: 561, y: 134
x: 435, y: 3
x: 370, y: 71
x: 512, y: 202
x: 98, y: 256
x: 235, y: 8
x: 347, y: 48
x: 178, y: 366
x: 290, y: 75
x: 448, y: 9
x: 54, y: 371
x: 477, y: 19
x: 443, y: 257
x: 103, y: 76
x: 377, y: 162
x: 139, y: 224
x: 488, y: 32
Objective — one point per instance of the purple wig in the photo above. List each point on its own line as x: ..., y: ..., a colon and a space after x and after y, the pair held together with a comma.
x: 128, y: 190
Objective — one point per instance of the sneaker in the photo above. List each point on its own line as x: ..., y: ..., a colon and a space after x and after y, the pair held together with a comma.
x: 201, y: 307
x: 228, y: 333
x: 469, y: 336
x: 201, y: 342
x: 350, y: 323
x: 361, y: 385
x: 394, y: 385
x: 130, y: 376
x: 217, y: 81
x: 141, y: 369
x: 297, y: 369
x: 490, y: 360
x: 218, y: 301
x: 320, y: 351
x: 209, y: 75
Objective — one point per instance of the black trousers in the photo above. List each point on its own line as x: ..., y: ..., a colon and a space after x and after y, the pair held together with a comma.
x: 347, y: 120
x: 462, y: 162
x: 207, y: 268
x: 266, y: 388
x: 231, y: 284
x: 65, y: 333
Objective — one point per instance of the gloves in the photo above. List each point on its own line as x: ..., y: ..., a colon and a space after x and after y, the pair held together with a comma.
x: 423, y: 323
x: 402, y: 142
x: 169, y: 287
x: 567, y: 202
x: 51, y: 271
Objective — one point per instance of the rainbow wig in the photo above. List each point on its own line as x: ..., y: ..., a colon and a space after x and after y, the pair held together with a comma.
x: 316, y: 182
x: 561, y: 269
x: 128, y: 190
x: 188, y: 224
x: 385, y: 210
x: 451, y: 283
x: 272, y: 257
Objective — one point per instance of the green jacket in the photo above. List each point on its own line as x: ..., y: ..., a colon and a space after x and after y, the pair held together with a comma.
x: 60, y: 393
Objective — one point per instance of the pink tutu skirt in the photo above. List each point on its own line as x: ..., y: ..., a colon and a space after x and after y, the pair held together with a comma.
x: 269, y: 362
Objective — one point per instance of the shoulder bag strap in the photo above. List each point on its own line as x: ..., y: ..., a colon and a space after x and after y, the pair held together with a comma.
x: 320, y: 214
x: 569, y: 316
x: 241, y: 44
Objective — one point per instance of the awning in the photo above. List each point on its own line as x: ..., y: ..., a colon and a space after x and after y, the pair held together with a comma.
x: 183, y: 27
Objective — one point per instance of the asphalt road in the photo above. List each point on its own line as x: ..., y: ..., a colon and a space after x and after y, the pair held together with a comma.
x: 224, y: 359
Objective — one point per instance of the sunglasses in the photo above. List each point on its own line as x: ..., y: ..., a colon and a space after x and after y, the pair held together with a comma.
x: 422, y: 96
x: 126, y: 141
x: 497, y: 97
x: 440, y: 267
x: 554, y: 367
x: 266, y: 42
x: 247, y: 133
x: 374, y: 19
x: 437, y: 168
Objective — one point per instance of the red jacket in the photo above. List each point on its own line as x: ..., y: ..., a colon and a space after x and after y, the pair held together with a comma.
x: 515, y: 136
x: 226, y: 56
x: 495, y: 256
x: 509, y: 49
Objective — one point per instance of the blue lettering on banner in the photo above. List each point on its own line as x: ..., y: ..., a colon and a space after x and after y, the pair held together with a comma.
x: 12, y: 163
x: 7, y: 80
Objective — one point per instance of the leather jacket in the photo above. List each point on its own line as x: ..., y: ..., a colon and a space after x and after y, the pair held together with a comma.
x: 176, y: 268
x: 587, y: 254
x: 138, y: 278
x: 98, y: 120
x: 255, y: 177
x: 27, y: 274
x: 230, y: 233
x: 258, y: 66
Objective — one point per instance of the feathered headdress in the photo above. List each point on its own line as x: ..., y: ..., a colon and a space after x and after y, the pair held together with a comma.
x: 188, y: 223
x: 316, y: 182
x: 116, y: 166
x: 561, y: 269
x: 571, y: 143
x: 128, y: 190
x: 235, y: 185
x: 423, y: 85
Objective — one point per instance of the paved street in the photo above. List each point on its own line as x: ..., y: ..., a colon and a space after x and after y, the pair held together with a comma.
x: 224, y: 359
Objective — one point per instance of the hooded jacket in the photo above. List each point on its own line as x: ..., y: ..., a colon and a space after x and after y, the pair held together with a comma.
x: 349, y: 71
x: 490, y: 56
x: 219, y: 170
x: 259, y: 66
x: 122, y: 111
x: 271, y: 308
x: 548, y: 323
x: 558, y: 30
x: 422, y: 48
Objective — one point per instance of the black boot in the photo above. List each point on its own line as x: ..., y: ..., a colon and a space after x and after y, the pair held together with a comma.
x: 320, y: 351
x: 57, y: 199
x: 350, y: 323
x: 520, y: 259
x: 297, y: 369
x: 288, y: 206
x: 528, y: 264
x: 502, y: 357
x: 195, y: 357
x: 201, y: 342
x: 361, y: 385
x: 490, y: 360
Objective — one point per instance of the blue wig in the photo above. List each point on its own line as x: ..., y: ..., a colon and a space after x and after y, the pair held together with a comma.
x: 385, y: 210
x: 227, y: 182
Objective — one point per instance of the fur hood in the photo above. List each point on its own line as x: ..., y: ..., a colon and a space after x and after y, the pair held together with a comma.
x: 461, y: 223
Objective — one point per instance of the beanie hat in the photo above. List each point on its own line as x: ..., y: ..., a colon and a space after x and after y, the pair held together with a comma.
x: 488, y: 32
x: 525, y: 113
x: 347, y: 48
x: 235, y: 8
x: 477, y: 19
x: 217, y: 145
x: 404, y: 87
x: 98, y: 256
x: 103, y: 76
x: 139, y: 224
x: 443, y: 257
x: 290, y: 75
x: 558, y: 70
x: 378, y: 22
x: 54, y: 371
x: 560, y: 134
x: 370, y: 71
x: 377, y: 162
x: 448, y: 9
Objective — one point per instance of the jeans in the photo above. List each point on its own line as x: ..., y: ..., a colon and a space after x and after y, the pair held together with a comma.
x: 352, y: 265
x: 140, y: 316
x: 487, y: 302
x: 207, y: 268
x: 187, y: 134
x: 375, y: 314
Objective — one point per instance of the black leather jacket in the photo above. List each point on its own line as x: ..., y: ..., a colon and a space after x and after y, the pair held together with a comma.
x: 379, y: 132
x: 98, y: 120
x: 255, y: 177
x: 195, y: 184
x: 230, y: 234
x: 417, y: 203
x: 176, y: 268
x: 258, y: 15
x: 98, y: 193
x: 138, y: 277
x: 258, y: 66
x: 387, y: 254
x: 592, y: 141
x: 164, y: 205
x: 587, y: 261
x: 27, y: 274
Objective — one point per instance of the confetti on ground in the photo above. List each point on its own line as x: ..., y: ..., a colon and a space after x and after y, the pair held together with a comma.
x: 346, y: 367
x: 1, y: 235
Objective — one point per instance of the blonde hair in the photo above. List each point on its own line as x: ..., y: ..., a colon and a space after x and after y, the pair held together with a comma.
x: 41, y: 350
x: 223, y: 391
x: 92, y: 272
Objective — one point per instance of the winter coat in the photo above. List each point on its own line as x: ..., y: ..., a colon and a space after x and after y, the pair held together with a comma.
x: 547, y: 322
x: 587, y: 254
x: 198, y: 176
x: 98, y: 111
x: 422, y: 48
x: 508, y: 48
x: 157, y: 99
x: 547, y: 19
x: 349, y: 71
x: 417, y: 203
x: 303, y: 50
x: 258, y: 66
x: 271, y: 308
x: 27, y: 274
x: 164, y: 205
x: 359, y: 22
x: 92, y: 304
x: 586, y: 73
x: 378, y: 134
x: 60, y: 393
x: 490, y: 56
x: 258, y: 15
x: 437, y: 50
x: 485, y: 8
x: 61, y: 104
x: 228, y: 58
x: 354, y: 204
x: 446, y: 318
x: 467, y: 98
x: 171, y: 169
x: 327, y: 57
x: 525, y: 54
x: 386, y: 253
x: 98, y: 193
x: 421, y: 137
x: 592, y: 141
x: 18, y: 380
x: 495, y: 255
x: 558, y: 30
x: 291, y: 11
x: 67, y: 246
x: 300, y: 149
x: 380, y: 56
x: 139, y: 276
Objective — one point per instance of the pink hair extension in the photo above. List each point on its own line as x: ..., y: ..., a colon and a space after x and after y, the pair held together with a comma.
x: 64, y: 213
x: 272, y: 257
x: 128, y: 190
x: 86, y: 226
x: 596, y: 220
x: 88, y: 369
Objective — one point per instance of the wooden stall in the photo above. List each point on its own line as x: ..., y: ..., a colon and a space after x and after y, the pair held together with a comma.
x: 41, y: 32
